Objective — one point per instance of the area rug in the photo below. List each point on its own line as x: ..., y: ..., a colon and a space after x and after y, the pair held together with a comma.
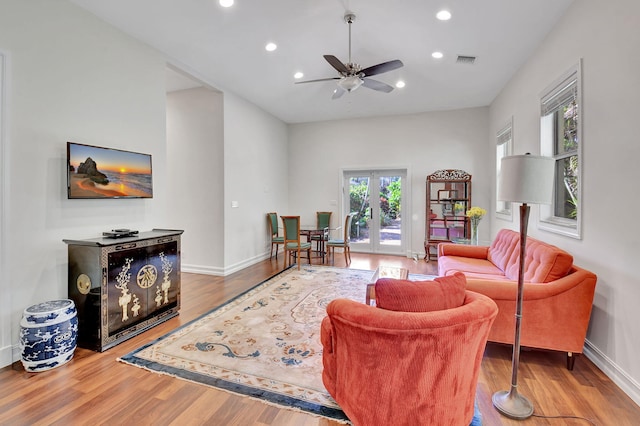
x: 265, y: 343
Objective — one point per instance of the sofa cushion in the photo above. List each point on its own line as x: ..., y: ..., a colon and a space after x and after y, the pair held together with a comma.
x: 504, y: 249
x: 493, y: 277
x: 421, y: 296
x: 543, y: 263
x: 448, y: 265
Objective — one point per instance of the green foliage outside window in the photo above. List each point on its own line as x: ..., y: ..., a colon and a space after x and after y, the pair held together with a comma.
x: 390, y: 197
x: 567, y: 203
x: 359, y: 195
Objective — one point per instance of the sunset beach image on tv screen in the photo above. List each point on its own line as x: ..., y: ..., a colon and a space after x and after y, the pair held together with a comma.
x: 96, y: 172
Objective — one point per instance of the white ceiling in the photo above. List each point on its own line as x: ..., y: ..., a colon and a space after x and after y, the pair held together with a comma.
x: 225, y: 48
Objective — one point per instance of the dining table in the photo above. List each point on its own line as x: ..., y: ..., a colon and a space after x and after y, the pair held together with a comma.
x: 313, y: 230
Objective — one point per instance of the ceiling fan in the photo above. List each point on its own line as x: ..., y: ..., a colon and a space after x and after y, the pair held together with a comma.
x: 352, y: 75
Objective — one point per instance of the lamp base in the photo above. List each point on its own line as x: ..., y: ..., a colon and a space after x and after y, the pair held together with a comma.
x: 512, y: 404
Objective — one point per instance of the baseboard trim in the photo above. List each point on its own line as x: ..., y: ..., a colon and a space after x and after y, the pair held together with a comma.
x: 245, y: 263
x: 227, y: 270
x: 613, y: 371
x: 6, y: 356
x: 200, y: 269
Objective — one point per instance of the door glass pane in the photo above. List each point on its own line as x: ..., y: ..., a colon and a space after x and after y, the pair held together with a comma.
x: 390, y: 214
x: 359, y: 203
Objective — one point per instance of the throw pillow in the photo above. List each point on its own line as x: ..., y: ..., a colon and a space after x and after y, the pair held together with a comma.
x: 421, y: 296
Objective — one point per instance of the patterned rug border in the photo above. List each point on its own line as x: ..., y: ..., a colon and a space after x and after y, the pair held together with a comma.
x: 264, y: 396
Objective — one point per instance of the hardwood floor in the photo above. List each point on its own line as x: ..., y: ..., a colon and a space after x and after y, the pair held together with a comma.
x: 95, y: 389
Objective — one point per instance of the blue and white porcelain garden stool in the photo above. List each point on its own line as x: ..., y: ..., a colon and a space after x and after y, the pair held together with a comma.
x: 48, y: 334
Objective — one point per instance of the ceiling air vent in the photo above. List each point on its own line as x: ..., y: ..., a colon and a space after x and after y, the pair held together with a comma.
x: 462, y: 59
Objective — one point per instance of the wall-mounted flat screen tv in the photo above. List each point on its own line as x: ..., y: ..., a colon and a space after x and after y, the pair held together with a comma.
x: 96, y: 172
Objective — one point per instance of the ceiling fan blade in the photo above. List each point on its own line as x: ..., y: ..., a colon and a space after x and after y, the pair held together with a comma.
x: 319, y: 79
x: 376, y: 85
x: 337, y: 64
x: 338, y: 92
x: 383, y: 67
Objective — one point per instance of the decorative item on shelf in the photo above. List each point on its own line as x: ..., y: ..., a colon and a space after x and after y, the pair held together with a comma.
x: 458, y: 209
x: 475, y: 214
x: 525, y: 179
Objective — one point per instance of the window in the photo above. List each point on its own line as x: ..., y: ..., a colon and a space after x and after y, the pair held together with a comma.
x: 504, y: 146
x: 561, y: 138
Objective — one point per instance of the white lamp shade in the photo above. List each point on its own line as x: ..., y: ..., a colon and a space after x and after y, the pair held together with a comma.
x: 526, y: 179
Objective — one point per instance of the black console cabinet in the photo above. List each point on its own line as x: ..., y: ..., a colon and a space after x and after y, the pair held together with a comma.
x: 123, y: 286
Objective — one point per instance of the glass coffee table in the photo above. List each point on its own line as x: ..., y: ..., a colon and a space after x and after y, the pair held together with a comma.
x: 384, y: 272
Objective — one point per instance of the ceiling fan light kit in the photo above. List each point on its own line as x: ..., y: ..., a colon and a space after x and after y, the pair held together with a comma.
x: 350, y: 83
x: 352, y: 75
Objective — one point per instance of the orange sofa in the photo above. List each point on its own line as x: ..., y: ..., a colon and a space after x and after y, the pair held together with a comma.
x: 557, y: 299
x: 413, y: 359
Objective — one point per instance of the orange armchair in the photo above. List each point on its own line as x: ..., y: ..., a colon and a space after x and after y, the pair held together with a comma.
x: 388, y: 367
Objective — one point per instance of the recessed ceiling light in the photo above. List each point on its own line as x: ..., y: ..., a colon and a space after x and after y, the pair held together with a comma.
x: 437, y: 55
x: 298, y: 75
x: 226, y: 3
x: 443, y: 15
x: 400, y: 84
x: 271, y: 47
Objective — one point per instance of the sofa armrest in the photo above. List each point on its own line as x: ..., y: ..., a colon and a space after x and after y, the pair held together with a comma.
x: 507, y: 290
x: 555, y: 314
x: 463, y: 250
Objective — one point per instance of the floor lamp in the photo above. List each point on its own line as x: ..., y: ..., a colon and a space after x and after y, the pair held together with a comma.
x: 525, y: 179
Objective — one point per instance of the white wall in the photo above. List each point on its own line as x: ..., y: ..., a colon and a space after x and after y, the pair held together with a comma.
x: 195, y: 153
x: 73, y: 78
x: 5, y: 288
x: 255, y: 176
x: 606, y: 36
x: 81, y: 80
x: 421, y: 143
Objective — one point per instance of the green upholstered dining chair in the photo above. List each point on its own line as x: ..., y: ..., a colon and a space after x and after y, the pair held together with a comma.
x: 323, y: 221
x: 292, y: 242
x: 344, y: 242
x: 274, y: 231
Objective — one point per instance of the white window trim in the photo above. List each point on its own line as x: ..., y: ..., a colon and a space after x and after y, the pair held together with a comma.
x: 504, y: 137
x: 546, y: 220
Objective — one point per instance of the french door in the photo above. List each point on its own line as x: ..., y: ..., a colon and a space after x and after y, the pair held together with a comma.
x: 376, y: 197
